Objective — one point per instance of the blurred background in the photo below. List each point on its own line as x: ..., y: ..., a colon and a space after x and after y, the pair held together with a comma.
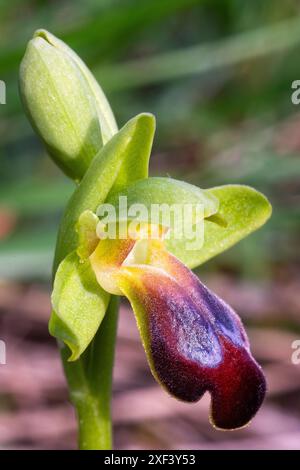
x: 218, y: 76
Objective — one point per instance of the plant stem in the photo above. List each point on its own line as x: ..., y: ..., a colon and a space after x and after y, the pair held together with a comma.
x: 90, y: 383
x: 90, y: 377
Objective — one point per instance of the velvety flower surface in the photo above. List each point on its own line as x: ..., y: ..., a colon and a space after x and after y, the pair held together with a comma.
x: 194, y: 341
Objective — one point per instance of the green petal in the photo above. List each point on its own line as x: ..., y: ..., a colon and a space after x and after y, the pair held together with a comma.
x: 243, y: 208
x: 103, y: 173
x: 79, y: 305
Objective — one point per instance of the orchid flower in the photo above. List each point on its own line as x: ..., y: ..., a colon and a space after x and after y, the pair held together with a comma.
x: 194, y: 341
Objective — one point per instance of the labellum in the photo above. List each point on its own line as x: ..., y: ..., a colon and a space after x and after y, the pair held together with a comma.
x: 193, y: 340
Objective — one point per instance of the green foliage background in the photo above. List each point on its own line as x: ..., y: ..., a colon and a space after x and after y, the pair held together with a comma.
x: 217, y: 75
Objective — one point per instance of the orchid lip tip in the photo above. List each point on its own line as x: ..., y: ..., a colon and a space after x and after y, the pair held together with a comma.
x: 229, y: 429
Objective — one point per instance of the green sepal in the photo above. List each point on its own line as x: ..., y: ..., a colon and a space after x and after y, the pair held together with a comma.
x: 168, y: 193
x: 110, y: 164
x: 159, y: 190
x: 243, y: 209
x: 79, y: 304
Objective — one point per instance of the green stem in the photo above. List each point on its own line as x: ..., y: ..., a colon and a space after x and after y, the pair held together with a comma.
x: 90, y: 382
x: 90, y: 377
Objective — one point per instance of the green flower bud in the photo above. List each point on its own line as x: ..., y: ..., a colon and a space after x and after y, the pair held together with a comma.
x: 65, y: 104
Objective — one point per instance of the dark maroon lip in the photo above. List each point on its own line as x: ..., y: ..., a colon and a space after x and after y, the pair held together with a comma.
x: 202, y: 346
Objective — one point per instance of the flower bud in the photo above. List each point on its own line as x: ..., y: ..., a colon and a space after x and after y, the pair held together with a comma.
x: 65, y: 104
